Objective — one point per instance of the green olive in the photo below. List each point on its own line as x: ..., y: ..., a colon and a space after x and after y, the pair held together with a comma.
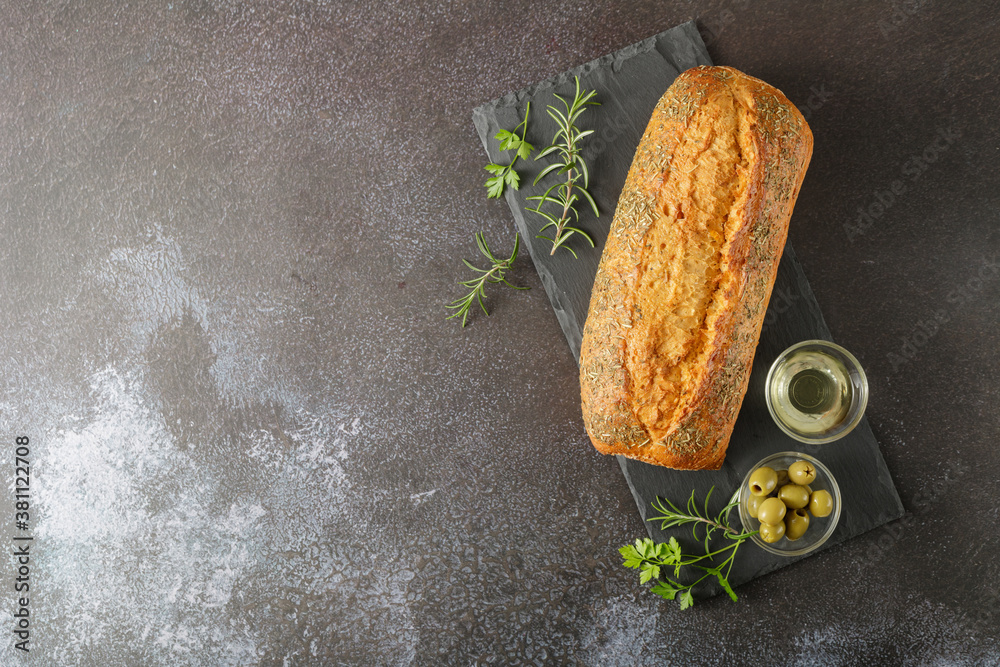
x: 820, y: 503
x: 772, y: 532
x: 796, y: 524
x: 794, y: 496
x: 753, y: 504
x: 782, y: 478
x: 771, y: 511
x: 802, y: 472
x: 762, y: 481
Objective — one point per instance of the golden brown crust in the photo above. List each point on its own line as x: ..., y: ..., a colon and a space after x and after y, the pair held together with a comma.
x: 687, y: 271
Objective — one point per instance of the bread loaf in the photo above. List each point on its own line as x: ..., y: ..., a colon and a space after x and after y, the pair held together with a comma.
x: 687, y: 270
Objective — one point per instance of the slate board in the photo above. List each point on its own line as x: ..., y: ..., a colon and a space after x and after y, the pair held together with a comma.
x: 629, y: 82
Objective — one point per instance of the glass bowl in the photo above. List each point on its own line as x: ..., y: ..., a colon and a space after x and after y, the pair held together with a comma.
x: 820, y: 529
x: 816, y: 391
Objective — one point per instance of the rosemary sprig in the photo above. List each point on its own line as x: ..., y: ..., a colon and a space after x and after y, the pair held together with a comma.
x: 567, y: 193
x: 494, y: 274
x: 651, y: 559
x: 504, y: 174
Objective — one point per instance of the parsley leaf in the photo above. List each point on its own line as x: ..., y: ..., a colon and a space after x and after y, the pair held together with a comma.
x: 524, y: 150
x: 633, y: 559
x: 494, y: 187
x: 665, y: 591
x: 649, y: 571
x: 504, y: 173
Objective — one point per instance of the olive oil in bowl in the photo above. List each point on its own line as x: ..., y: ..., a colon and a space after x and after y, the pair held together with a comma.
x: 816, y: 391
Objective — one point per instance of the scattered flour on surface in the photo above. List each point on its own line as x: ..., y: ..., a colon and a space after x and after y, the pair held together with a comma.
x: 144, y: 548
x: 617, y: 636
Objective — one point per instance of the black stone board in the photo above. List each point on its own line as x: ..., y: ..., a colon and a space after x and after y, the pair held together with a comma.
x: 629, y: 82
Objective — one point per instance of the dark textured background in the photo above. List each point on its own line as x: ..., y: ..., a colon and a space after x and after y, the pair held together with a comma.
x: 229, y: 231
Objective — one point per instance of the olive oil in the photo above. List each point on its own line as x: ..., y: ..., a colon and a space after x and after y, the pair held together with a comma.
x: 811, y: 392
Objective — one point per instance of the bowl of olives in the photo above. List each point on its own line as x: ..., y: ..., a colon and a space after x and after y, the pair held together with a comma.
x: 793, y: 500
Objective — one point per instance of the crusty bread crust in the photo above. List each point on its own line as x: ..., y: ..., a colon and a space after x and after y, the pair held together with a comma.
x: 687, y: 271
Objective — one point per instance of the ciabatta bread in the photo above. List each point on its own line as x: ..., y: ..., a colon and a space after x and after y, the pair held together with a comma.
x: 687, y: 270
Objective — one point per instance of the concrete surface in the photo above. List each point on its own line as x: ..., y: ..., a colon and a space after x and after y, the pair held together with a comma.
x: 228, y: 234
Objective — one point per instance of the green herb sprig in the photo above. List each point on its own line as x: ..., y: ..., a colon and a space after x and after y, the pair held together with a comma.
x: 567, y: 193
x: 504, y: 174
x: 494, y: 274
x: 654, y: 560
